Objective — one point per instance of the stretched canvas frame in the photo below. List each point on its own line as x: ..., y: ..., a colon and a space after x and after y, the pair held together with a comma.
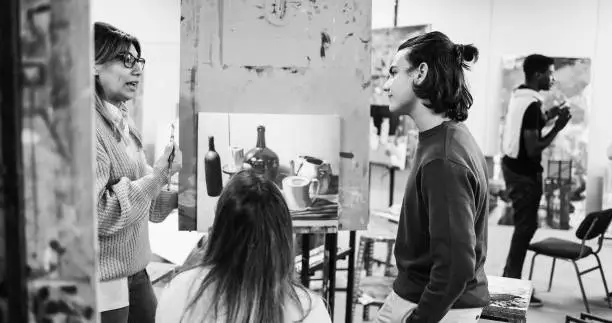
x: 334, y: 79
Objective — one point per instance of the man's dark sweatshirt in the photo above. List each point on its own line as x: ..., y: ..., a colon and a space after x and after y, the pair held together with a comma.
x: 442, y: 235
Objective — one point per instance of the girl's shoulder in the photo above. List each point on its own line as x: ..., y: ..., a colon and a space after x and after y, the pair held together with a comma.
x: 313, y: 305
x: 178, y: 293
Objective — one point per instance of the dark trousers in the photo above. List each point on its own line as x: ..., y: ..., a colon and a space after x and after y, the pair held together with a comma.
x: 525, y: 193
x: 143, y: 302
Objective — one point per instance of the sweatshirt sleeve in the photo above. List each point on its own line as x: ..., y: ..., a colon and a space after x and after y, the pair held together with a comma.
x: 448, y: 194
x: 125, y: 202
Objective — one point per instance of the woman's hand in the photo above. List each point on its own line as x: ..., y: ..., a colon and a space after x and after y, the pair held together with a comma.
x: 164, y: 160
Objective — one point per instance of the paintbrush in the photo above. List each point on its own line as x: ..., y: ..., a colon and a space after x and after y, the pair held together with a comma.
x: 172, y: 154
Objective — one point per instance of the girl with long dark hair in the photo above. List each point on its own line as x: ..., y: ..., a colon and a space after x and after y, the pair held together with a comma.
x: 247, y: 272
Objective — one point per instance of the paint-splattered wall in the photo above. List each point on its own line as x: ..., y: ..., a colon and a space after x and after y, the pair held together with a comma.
x: 279, y: 56
x: 59, y: 159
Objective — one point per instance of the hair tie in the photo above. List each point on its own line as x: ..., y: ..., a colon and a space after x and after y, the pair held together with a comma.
x: 459, y: 53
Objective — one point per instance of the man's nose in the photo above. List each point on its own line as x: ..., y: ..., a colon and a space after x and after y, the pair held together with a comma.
x: 387, y: 85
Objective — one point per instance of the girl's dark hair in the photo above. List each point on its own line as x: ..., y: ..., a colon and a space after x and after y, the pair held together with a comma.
x: 249, y: 255
x: 444, y: 87
x: 109, y: 42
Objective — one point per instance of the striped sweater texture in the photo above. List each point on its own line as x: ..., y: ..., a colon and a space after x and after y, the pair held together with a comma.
x: 129, y: 195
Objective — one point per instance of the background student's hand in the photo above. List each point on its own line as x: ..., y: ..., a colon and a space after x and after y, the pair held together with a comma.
x: 162, y: 162
x: 555, y: 110
x: 563, y: 118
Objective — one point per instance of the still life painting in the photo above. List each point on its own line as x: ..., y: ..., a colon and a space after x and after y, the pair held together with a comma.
x: 300, y: 153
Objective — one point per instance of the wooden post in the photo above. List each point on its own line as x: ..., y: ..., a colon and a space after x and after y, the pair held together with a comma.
x: 56, y: 138
x: 13, y: 305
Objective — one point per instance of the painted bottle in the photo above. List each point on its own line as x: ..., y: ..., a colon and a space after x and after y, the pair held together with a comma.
x: 212, y: 170
x: 261, y: 158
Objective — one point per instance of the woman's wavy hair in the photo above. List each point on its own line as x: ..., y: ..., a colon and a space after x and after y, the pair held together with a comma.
x: 249, y: 255
x: 109, y: 42
x: 444, y: 89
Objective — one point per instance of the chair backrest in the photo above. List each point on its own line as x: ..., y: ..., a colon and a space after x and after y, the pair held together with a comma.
x: 600, y: 221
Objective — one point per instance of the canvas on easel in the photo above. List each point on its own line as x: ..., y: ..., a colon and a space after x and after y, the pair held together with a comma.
x: 331, y: 76
x: 307, y: 152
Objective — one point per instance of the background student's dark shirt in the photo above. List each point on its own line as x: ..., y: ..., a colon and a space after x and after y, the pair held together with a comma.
x: 441, y: 243
x: 533, y: 119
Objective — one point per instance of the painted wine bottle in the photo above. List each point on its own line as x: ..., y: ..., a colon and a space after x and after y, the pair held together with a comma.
x: 212, y: 170
x: 261, y: 158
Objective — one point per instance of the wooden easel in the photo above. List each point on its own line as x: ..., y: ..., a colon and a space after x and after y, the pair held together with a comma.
x: 46, y: 127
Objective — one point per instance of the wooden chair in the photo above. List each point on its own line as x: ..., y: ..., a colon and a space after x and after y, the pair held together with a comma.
x: 593, y: 226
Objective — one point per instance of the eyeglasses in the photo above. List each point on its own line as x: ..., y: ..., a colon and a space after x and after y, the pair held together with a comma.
x: 130, y: 60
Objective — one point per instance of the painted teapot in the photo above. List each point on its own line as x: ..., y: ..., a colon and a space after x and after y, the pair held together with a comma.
x: 315, y: 168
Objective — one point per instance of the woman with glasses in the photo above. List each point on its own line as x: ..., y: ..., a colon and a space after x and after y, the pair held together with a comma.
x: 130, y: 193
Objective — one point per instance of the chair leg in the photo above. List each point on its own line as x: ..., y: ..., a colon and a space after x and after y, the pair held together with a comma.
x: 532, y: 263
x: 388, y: 258
x: 367, y: 257
x: 552, y: 271
x: 357, y: 273
x: 603, y: 278
x: 584, y: 298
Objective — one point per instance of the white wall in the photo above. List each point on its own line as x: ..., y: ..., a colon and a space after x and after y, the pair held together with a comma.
x: 156, y: 24
x: 500, y: 27
x: 600, y: 135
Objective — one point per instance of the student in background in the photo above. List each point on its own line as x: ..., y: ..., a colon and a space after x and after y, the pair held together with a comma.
x: 522, y: 147
x: 247, y: 272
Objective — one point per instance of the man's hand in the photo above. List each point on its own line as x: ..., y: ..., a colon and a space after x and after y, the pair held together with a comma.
x: 563, y: 118
x: 554, y: 111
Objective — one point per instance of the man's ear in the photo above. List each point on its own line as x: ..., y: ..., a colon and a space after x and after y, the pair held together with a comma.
x: 421, y: 73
